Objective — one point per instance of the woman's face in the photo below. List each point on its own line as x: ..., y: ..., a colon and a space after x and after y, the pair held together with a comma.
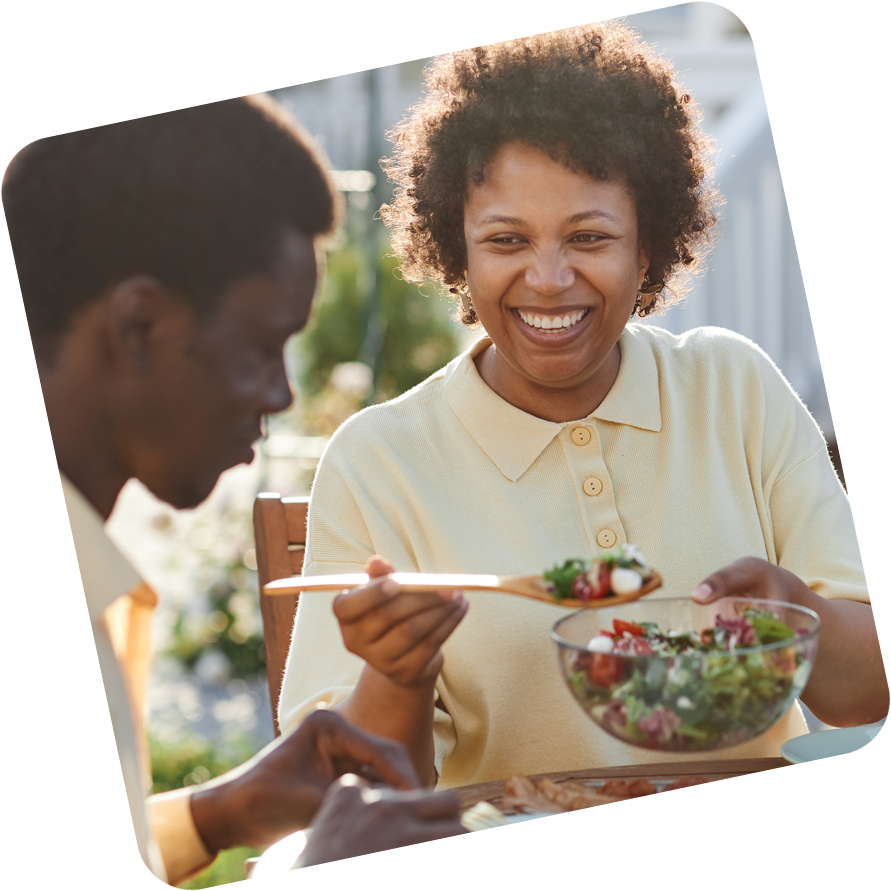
x: 553, y: 267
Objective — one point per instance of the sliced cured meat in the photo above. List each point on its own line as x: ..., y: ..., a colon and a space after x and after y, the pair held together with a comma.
x: 521, y: 794
x: 574, y: 796
x: 639, y: 789
x: 635, y: 796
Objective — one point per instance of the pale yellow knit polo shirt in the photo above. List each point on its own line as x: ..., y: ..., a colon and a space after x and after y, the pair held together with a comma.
x: 701, y: 453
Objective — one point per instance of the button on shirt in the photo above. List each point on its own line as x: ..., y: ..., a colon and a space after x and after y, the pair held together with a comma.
x: 72, y: 811
x: 704, y: 454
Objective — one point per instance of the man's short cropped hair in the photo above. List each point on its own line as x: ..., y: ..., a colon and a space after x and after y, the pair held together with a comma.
x: 194, y: 198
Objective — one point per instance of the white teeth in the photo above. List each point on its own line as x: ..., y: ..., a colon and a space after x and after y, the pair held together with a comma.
x: 549, y: 323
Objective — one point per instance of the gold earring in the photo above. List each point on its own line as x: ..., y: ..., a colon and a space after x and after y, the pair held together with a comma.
x: 470, y: 317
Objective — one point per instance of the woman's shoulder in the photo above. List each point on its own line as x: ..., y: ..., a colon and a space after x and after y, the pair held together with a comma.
x: 705, y: 346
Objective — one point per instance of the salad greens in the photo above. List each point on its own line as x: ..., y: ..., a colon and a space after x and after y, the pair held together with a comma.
x: 594, y: 578
x: 691, y: 691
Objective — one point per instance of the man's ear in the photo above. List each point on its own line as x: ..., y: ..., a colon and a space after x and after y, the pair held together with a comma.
x: 138, y: 310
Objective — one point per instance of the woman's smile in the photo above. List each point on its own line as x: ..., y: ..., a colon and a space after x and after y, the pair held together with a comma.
x: 553, y: 268
x: 550, y: 322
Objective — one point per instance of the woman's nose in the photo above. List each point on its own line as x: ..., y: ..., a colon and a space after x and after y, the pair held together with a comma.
x: 550, y: 273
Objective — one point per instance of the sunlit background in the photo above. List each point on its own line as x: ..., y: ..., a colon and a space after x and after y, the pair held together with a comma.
x: 372, y: 336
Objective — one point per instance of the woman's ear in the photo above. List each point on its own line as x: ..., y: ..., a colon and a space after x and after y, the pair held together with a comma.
x: 643, y: 264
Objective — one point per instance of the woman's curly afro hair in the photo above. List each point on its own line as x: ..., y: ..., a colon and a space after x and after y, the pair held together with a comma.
x: 595, y: 98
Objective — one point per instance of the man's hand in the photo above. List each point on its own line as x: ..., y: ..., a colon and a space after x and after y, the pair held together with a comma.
x: 280, y: 789
x: 356, y: 819
x: 399, y: 634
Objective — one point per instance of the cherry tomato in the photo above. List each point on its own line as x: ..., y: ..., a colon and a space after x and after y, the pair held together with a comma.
x: 585, y: 591
x: 605, y: 670
x: 620, y: 627
x: 601, y: 589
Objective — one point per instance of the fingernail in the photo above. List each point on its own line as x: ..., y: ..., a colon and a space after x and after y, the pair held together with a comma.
x: 389, y: 586
x: 452, y: 595
x: 702, y: 592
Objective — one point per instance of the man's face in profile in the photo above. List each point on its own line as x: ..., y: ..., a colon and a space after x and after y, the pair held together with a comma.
x: 213, y: 377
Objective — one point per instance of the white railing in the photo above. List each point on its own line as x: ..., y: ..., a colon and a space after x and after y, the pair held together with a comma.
x: 336, y: 111
x: 778, y: 110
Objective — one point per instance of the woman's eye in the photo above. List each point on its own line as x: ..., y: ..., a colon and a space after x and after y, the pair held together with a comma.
x: 587, y: 238
x: 506, y: 239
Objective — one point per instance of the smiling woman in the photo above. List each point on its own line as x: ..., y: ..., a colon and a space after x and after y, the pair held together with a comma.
x: 557, y: 187
x: 554, y: 264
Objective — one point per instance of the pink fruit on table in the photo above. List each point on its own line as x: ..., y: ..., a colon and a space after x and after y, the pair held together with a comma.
x: 853, y: 857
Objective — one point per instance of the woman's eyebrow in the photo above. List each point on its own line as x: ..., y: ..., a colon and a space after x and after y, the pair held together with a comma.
x: 575, y: 218
x: 496, y: 218
x: 591, y: 214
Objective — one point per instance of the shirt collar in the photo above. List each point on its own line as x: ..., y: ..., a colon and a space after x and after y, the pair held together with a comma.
x: 513, y: 439
x: 65, y: 529
x: 634, y: 397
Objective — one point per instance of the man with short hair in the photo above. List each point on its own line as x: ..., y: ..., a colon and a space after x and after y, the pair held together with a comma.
x: 163, y: 263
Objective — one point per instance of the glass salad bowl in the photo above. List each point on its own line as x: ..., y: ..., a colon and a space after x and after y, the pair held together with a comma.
x: 679, y: 676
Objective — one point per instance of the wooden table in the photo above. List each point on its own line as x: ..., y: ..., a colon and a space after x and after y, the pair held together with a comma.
x: 787, y: 790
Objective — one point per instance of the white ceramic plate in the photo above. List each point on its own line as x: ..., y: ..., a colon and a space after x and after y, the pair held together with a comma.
x: 852, y: 755
x: 622, y: 852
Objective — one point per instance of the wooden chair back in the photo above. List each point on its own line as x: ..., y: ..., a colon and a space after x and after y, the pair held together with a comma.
x: 280, y: 539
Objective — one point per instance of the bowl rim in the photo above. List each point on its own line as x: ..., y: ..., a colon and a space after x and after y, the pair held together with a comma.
x: 740, y: 651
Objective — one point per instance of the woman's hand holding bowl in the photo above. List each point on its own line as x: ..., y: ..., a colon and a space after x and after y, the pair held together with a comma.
x: 752, y: 577
x: 847, y: 686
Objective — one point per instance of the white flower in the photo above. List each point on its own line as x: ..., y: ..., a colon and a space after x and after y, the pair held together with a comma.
x: 633, y: 552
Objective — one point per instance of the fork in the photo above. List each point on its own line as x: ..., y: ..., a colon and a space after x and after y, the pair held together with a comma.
x: 487, y: 821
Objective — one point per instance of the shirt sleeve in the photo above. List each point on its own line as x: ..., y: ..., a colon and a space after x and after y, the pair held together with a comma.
x: 320, y: 672
x: 811, y: 522
x: 814, y: 530
x: 38, y: 807
x: 175, y: 833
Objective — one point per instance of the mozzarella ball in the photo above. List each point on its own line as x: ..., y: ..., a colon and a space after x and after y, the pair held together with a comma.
x: 625, y: 581
x: 600, y: 644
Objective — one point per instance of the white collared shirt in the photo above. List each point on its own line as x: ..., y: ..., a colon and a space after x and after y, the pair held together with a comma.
x: 72, y: 809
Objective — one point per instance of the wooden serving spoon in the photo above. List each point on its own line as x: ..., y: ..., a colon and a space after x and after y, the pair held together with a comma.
x: 533, y: 586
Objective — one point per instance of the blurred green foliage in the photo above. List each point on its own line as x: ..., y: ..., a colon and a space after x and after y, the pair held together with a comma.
x: 228, y: 867
x: 222, y: 631
x: 189, y: 760
x: 419, y: 336
x: 225, y: 615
